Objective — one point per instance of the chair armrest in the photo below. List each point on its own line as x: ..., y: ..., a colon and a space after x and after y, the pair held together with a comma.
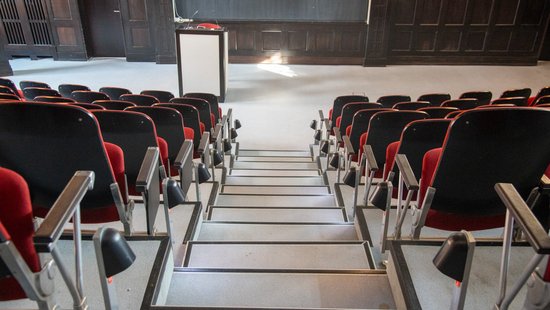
x: 406, y: 171
x: 337, y: 134
x: 62, y: 210
x: 148, y: 168
x: 534, y: 232
x: 544, y: 184
x: 203, y: 144
x: 347, y: 145
x: 184, y: 162
x: 148, y: 184
x: 184, y: 151
x: 371, y: 159
x: 321, y: 115
x: 217, y: 134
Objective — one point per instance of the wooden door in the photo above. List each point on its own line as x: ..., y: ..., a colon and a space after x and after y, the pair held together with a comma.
x: 103, y: 28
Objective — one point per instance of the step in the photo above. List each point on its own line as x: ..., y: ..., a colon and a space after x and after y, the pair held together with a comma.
x: 274, y: 173
x: 275, y: 200
x: 272, y: 215
x: 275, y: 153
x: 274, y: 165
x: 331, y: 256
x: 275, y: 190
x: 290, y: 181
x: 219, y: 231
x: 275, y: 159
x: 369, y: 290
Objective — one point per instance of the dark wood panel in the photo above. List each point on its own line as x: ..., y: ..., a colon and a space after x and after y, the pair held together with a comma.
x: 162, y: 24
x: 138, y: 29
x: 68, y: 33
x: 103, y: 28
x: 5, y: 68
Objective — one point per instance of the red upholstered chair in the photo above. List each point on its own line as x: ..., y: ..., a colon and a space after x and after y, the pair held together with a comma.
x: 464, y: 104
x: 47, y: 155
x: 114, y: 93
x: 438, y: 112
x: 88, y: 106
x: 161, y: 95
x: 25, y: 84
x: 9, y: 97
x: 359, y: 126
x: 517, y: 101
x: 541, y: 100
x: 32, y: 92
x: 205, y: 113
x: 22, y: 274
x: 117, y: 105
x: 340, y: 102
x: 482, y: 148
x: 483, y: 97
x: 53, y: 99
x: 9, y: 83
x: 349, y: 110
x: 390, y: 100
x: 411, y: 105
x: 435, y: 99
x: 191, y: 120
x: 139, y: 100
x: 212, y: 100
x: 66, y: 89
x: 520, y: 92
x: 85, y: 96
x: 7, y: 90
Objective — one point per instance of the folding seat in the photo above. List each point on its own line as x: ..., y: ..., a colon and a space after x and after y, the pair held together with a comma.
x: 438, y: 112
x: 454, y: 114
x: 411, y: 105
x: 86, y: 96
x: 542, y: 100
x: 114, y: 93
x: 9, y: 83
x: 22, y: 273
x: 25, y: 84
x: 88, y: 106
x: 161, y: 95
x: 435, y: 99
x: 339, y: 104
x: 9, y: 97
x: 389, y: 101
x: 464, y: 103
x: 33, y: 143
x: 520, y: 92
x: 484, y: 97
x: 66, y: 89
x: 53, y: 99
x: 191, y: 119
x: 134, y: 133
x: 482, y: 148
x: 349, y: 110
x: 114, y: 104
x: 6, y: 90
x: 212, y: 100
x: 170, y: 127
x: 32, y: 92
x: 205, y: 114
x: 545, y: 91
x: 517, y: 101
x: 359, y: 126
x: 139, y: 100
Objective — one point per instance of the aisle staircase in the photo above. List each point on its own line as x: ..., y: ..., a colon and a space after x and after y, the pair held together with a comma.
x: 277, y: 238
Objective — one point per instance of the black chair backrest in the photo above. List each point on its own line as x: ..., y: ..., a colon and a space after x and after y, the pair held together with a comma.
x: 9, y: 83
x: 114, y: 92
x: 464, y: 103
x: 169, y: 126
x: 85, y: 96
x: 32, y: 92
x: 520, y: 92
x: 9, y: 97
x: 7, y: 90
x: 341, y: 101
x: 54, y: 99
x: 386, y: 127
x: 140, y: 100
x: 488, y: 146
x: 360, y: 125
x: 114, y: 104
x: 411, y: 105
x: 435, y: 99
x: 484, y: 97
x: 542, y: 100
x: 202, y: 106
x: 417, y: 138
x: 212, y: 100
x: 517, y: 101
x: 25, y: 84
x: 349, y: 111
x: 88, y: 106
x: 545, y: 91
x: 454, y: 114
x: 133, y: 132
x: 66, y: 89
x: 33, y: 143
x: 389, y: 101
x: 161, y: 95
x: 438, y: 112
x: 190, y: 116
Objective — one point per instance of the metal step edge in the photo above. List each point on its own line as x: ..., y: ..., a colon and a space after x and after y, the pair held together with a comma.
x: 277, y: 176
x: 276, y: 207
x: 277, y: 195
x: 374, y: 272
x: 281, y: 223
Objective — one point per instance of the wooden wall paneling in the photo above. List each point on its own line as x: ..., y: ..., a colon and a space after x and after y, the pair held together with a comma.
x: 5, y: 67
x: 138, y: 35
x: 378, y: 33
x: 162, y: 25
x: 66, y: 24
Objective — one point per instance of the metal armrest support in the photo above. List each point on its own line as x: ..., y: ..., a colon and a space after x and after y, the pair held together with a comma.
x: 216, y: 134
x: 371, y: 159
x: 337, y: 134
x: 184, y: 163
x: 203, y: 144
x: 148, y: 184
x: 545, y: 185
x: 347, y: 146
x: 405, y: 170
x: 534, y: 232
x: 62, y: 210
x: 321, y: 115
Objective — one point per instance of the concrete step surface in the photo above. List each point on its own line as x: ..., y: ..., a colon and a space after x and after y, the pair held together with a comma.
x: 293, y: 215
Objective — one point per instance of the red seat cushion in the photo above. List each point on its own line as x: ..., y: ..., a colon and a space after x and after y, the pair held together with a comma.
x: 16, y: 220
x: 391, y: 151
x: 163, y: 150
x: 212, y: 119
x: 202, y: 127
x: 188, y: 133
x: 338, y: 121
x: 531, y: 100
x: 330, y: 114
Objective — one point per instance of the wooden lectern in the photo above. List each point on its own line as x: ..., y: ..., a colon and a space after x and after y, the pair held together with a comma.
x: 202, y: 61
